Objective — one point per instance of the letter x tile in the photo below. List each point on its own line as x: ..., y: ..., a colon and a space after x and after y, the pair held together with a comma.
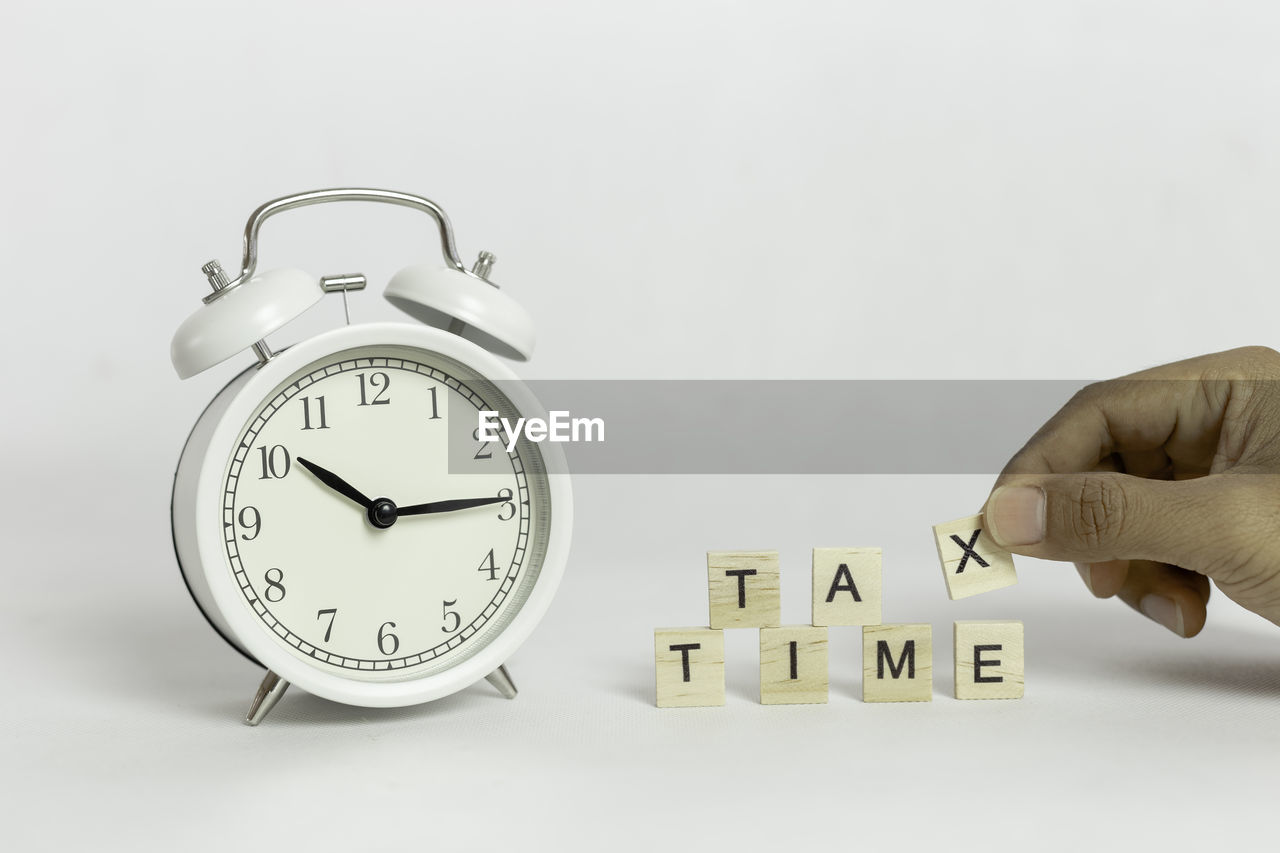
x: 971, y: 562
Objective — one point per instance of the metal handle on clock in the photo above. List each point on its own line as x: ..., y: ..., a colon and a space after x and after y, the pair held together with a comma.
x: 249, y: 263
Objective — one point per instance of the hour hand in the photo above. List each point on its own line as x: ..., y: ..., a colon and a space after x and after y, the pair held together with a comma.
x: 336, y: 483
x: 448, y: 506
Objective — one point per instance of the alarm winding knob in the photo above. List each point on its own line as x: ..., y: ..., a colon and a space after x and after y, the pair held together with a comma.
x: 217, y: 278
x: 484, y: 264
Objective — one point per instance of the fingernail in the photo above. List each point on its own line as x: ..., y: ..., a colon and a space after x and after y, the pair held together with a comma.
x: 1157, y: 608
x: 1086, y: 575
x: 1015, y: 515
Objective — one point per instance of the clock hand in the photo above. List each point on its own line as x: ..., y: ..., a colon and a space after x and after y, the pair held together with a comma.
x: 448, y: 506
x: 336, y: 483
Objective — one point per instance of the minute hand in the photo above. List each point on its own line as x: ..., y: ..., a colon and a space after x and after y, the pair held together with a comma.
x: 448, y: 506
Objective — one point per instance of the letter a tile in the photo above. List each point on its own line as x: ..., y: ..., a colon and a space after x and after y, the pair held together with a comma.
x: 971, y: 562
x: 846, y: 586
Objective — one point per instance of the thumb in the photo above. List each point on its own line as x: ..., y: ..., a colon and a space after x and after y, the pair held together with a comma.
x: 1098, y: 516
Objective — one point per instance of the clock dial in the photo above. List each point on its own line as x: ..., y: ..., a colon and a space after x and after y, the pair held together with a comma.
x: 355, y: 535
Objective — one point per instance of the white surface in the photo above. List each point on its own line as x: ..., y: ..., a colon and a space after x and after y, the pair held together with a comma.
x: 672, y: 190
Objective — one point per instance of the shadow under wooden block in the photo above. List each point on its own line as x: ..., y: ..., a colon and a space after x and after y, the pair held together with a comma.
x: 689, y: 667
x: 971, y: 562
x: 897, y: 663
x: 793, y: 665
x: 744, y: 589
x: 989, y: 659
x: 846, y: 586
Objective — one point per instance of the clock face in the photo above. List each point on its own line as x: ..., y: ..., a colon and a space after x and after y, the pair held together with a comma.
x: 368, y: 530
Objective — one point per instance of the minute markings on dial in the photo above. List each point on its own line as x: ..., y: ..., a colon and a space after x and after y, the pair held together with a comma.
x: 509, y: 568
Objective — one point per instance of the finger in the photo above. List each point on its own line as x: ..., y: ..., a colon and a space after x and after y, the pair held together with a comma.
x: 1168, y: 596
x: 1175, y: 409
x: 1112, y: 462
x: 1104, y: 579
x: 1178, y: 598
x: 1153, y: 464
x: 1098, y: 517
x: 1096, y: 423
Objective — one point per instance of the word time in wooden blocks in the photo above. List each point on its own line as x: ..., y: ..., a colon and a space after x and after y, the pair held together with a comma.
x: 793, y: 665
x: 971, y: 562
x: 897, y: 663
x: 690, y: 667
x: 846, y: 586
x: 744, y: 588
x: 989, y: 659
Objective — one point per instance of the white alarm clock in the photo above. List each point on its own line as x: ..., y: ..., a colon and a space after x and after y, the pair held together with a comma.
x: 334, y: 515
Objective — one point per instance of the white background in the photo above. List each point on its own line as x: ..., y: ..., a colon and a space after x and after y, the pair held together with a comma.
x: 712, y: 190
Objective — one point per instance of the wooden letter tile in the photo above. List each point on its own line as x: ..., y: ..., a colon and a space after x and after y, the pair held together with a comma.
x: 846, y: 586
x: 897, y: 663
x: 744, y: 589
x: 690, y: 667
x: 989, y: 659
x: 793, y: 665
x: 971, y: 562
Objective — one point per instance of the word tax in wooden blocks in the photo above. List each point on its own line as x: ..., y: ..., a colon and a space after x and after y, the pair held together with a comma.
x: 689, y: 665
x: 971, y: 562
x: 793, y: 665
x: 846, y: 586
x: 989, y: 659
x: 744, y: 588
x: 897, y: 663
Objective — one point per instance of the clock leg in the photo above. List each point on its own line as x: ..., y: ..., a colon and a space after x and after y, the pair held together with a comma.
x: 269, y: 693
x: 501, y: 679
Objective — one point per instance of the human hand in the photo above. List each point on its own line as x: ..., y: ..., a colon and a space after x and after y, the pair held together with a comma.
x: 1155, y: 483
